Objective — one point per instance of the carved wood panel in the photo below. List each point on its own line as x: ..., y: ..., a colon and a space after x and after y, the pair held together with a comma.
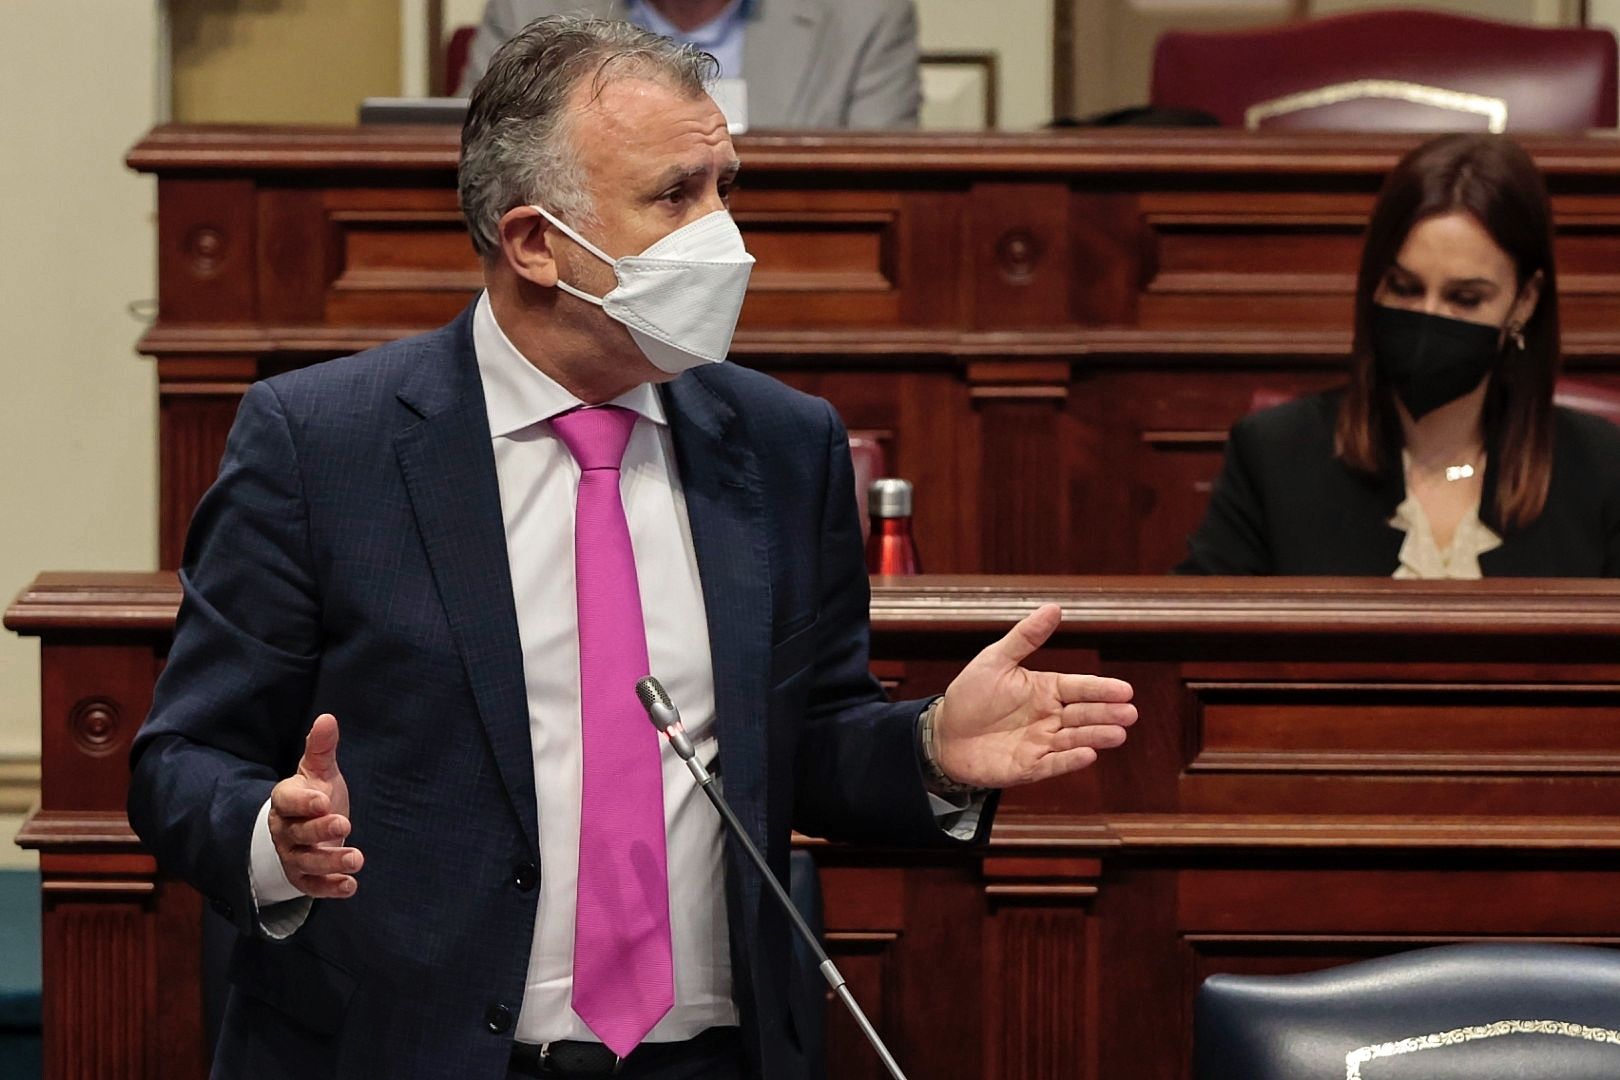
x: 1019, y: 251
x: 865, y: 960
x: 94, y: 1009
x: 207, y: 250
x: 832, y: 260
x: 1254, y: 258
x: 1041, y: 967
x: 1056, y: 329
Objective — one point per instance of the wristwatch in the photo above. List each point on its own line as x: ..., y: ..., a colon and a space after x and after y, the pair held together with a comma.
x: 934, y: 777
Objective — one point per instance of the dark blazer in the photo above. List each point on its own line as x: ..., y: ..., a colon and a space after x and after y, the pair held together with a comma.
x: 1285, y: 505
x: 351, y: 558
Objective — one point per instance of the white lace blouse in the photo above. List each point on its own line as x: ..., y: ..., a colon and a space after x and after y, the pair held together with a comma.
x: 1422, y: 558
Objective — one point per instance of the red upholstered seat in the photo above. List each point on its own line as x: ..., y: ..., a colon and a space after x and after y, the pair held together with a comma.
x: 866, y: 454
x: 455, y: 59
x: 1392, y: 71
x: 1599, y: 399
x: 1264, y: 397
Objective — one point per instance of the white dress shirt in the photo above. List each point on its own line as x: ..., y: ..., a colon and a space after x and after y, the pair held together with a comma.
x: 722, y: 37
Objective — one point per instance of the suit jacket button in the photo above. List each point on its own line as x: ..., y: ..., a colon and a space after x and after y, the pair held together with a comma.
x: 498, y: 1018
x: 222, y: 908
x: 525, y: 876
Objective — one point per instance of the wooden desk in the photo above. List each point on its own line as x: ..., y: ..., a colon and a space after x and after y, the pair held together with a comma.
x: 1324, y: 770
x: 1050, y: 333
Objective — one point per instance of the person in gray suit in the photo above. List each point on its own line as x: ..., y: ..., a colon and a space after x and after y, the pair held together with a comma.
x: 806, y: 63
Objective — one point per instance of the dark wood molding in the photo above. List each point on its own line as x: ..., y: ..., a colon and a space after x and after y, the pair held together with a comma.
x: 173, y: 150
x: 1173, y: 832
x: 82, y: 830
x: 1116, y: 607
x: 1333, y: 607
x: 60, y: 602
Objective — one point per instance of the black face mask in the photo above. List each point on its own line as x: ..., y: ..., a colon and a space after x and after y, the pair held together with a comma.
x: 1429, y: 360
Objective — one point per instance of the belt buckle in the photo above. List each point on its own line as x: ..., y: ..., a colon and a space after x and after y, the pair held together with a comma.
x: 545, y: 1060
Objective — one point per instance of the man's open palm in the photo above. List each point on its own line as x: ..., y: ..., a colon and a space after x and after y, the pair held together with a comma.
x: 1002, y: 724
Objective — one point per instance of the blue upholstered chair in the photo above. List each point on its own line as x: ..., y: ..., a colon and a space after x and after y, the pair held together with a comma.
x: 1457, y: 1012
x: 19, y: 975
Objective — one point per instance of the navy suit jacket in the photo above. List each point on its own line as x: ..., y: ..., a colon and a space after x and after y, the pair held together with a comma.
x: 351, y: 559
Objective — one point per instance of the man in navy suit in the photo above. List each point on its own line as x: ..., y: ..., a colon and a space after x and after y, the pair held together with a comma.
x: 465, y: 546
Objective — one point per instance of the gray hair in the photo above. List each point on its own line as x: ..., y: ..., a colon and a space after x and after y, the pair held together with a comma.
x: 516, y: 144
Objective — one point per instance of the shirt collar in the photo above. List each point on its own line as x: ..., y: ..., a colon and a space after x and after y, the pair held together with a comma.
x: 650, y: 18
x: 518, y: 395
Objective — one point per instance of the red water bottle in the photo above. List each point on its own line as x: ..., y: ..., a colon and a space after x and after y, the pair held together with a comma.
x: 891, y: 549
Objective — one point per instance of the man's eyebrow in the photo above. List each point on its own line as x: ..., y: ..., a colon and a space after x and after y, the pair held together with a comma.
x: 676, y: 175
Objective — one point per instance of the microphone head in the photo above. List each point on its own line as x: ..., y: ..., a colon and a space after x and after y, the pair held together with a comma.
x: 655, y: 699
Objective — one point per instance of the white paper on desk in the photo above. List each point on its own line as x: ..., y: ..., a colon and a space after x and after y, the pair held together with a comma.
x: 732, y: 97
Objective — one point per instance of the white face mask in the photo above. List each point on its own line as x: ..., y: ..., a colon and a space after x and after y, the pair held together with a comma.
x: 681, y: 297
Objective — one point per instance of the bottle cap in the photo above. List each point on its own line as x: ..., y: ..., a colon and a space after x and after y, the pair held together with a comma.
x: 889, y: 498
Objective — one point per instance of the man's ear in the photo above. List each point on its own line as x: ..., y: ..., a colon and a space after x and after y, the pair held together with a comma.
x: 526, y: 245
x: 1525, y: 305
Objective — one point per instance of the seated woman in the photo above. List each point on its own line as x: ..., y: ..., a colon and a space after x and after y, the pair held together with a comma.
x: 1445, y: 456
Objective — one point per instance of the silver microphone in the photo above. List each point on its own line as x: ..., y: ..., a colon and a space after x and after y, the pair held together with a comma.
x: 667, y: 719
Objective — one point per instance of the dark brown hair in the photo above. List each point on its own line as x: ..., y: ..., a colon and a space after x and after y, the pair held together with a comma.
x: 1494, y: 181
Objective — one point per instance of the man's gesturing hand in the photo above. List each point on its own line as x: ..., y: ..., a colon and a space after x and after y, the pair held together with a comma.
x: 1001, y: 724
x: 309, y: 819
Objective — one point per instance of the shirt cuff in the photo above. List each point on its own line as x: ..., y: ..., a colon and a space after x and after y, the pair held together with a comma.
x: 279, y: 906
x: 958, y: 815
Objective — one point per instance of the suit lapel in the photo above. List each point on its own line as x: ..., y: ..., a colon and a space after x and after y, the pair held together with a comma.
x: 779, y: 55
x: 725, y: 505
x: 449, y: 468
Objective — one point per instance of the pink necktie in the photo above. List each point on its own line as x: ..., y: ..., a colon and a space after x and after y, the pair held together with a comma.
x: 624, y: 979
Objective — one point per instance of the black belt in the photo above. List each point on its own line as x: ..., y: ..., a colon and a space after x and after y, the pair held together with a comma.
x: 567, y: 1058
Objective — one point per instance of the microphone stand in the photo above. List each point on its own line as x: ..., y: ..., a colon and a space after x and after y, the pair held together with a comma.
x: 661, y: 711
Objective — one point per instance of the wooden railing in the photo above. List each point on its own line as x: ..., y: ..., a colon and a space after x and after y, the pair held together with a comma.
x: 1324, y: 770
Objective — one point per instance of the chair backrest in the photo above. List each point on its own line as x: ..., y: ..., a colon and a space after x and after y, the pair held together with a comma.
x: 456, y: 52
x: 868, y: 459
x: 1393, y: 71
x: 1480, y: 1012
x: 1599, y: 399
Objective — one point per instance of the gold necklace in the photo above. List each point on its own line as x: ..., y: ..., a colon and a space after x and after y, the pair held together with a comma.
x: 1463, y: 470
